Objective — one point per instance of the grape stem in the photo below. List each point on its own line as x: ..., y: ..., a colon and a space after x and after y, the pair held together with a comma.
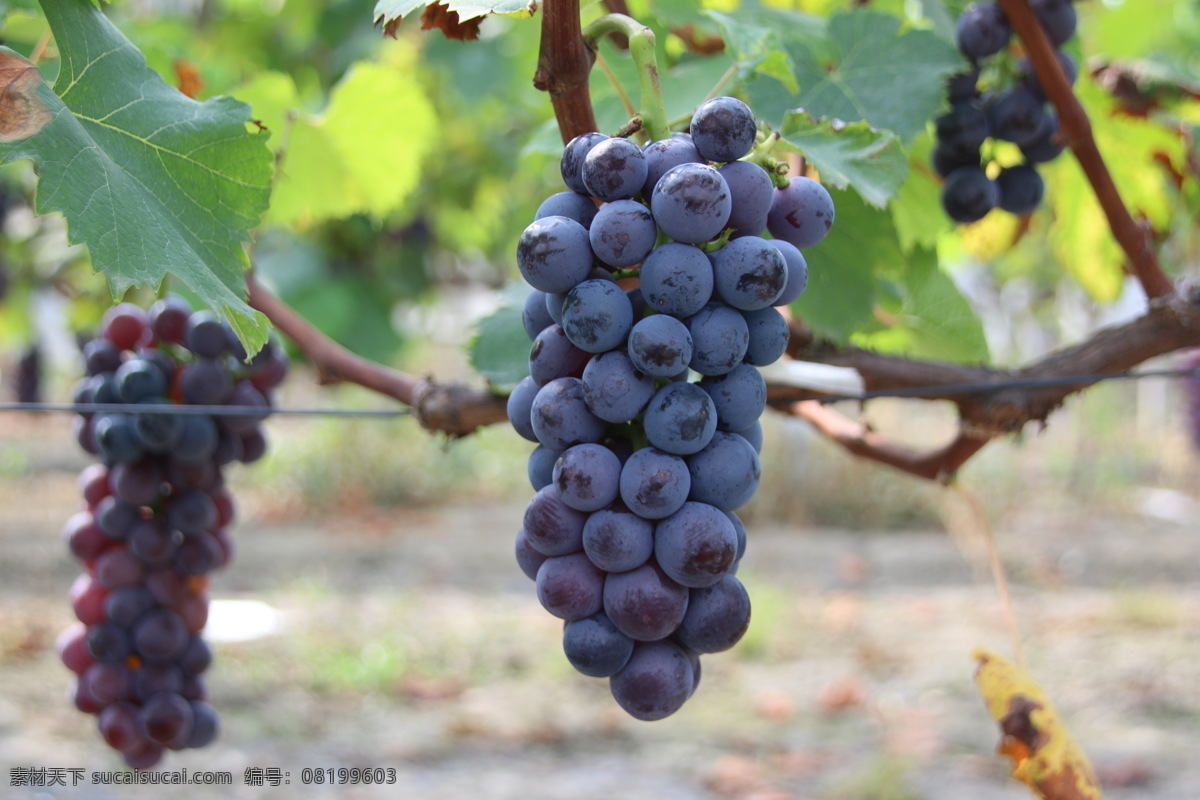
x: 642, y: 48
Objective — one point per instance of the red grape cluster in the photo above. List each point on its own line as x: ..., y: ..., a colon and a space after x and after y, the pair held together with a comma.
x: 156, y: 517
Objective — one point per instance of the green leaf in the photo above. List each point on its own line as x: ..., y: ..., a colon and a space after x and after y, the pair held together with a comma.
x: 865, y: 69
x: 934, y: 319
x: 870, y: 161
x: 500, y: 349
x: 917, y: 212
x: 842, y: 289
x: 149, y: 179
x: 362, y: 155
x: 391, y: 11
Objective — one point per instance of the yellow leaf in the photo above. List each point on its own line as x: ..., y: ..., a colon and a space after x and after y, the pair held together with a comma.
x: 1045, y: 757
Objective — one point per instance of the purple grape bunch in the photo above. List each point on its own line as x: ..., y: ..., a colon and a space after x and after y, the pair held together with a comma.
x: 644, y: 396
x: 156, y: 516
x: 1018, y: 113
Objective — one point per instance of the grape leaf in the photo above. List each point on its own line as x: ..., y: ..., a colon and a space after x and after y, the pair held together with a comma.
x: 500, y: 349
x: 853, y: 74
x: 1045, y: 756
x: 363, y: 154
x: 389, y: 12
x: 856, y: 155
x: 933, y: 320
x: 149, y: 179
x: 841, y: 293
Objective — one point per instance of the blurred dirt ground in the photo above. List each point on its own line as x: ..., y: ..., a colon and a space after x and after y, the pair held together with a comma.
x: 408, y: 640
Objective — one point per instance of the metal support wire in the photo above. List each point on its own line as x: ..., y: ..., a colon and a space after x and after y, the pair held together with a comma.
x: 917, y: 392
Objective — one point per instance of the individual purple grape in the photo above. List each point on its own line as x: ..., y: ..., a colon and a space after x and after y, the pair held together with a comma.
x: 108, y: 642
x: 197, y: 439
x: 554, y: 356
x: 680, y: 419
x: 660, y: 346
x: 570, y: 587
x: 717, y: 617
x: 964, y: 128
x: 768, y: 336
x: 740, y: 396
x: 561, y: 417
x: 1020, y: 188
x: 101, y: 356
x: 551, y: 526
x: 1017, y: 116
x: 691, y: 203
x: 1046, y: 147
x: 167, y: 719
x: 677, y: 279
x: 124, y: 325
x: 125, y: 605
x: 726, y: 473
x: 797, y: 273
x: 139, y: 483
x: 160, y: 636
x: 168, y: 319
x: 1057, y: 17
x: 520, y: 403
x: 618, y: 540
x: 720, y: 338
x: 191, y: 511
x: 946, y: 160
x: 573, y: 158
x: 156, y: 432
x: 573, y: 205
x: 723, y: 129
x: 654, y: 484
x: 587, y: 476
x: 644, y: 603
x: 138, y: 379
x: 553, y: 254
x: 117, y: 439
x: 801, y: 213
x: 534, y: 315
x: 121, y: 727
x: 541, y: 467
x: 152, y: 542
x: 117, y: 567
x: 614, y: 389
x: 205, y: 335
x: 982, y: 30
x: 246, y: 395
x: 963, y: 86
x: 206, y: 381
x: 528, y: 559
x: 740, y: 530
x: 623, y: 233
x: 614, y: 169
x: 754, y: 435
x: 665, y: 154
x: 554, y: 306
x: 696, y: 545
x: 205, y: 725
x: 108, y: 683
x: 116, y: 517
x: 749, y: 273
x: 595, y: 647
x: 751, y: 192
x: 969, y: 194
x: 655, y: 683
x: 597, y: 316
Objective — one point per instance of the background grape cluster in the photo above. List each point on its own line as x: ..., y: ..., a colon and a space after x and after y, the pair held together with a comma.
x: 1013, y: 110
x: 631, y: 537
x: 156, y: 518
